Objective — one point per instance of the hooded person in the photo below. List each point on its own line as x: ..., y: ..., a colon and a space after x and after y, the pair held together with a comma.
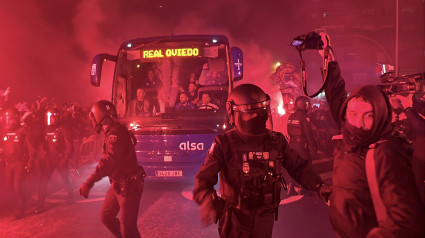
x: 364, y: 119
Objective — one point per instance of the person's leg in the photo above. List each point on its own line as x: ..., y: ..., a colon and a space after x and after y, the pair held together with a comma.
x: 109, y: 211
x: 129, y: 205
x: 18, y: 180
x: 45, y: 173
x: 235, y: 224
x: 263, y: 225
x: 63, y: 169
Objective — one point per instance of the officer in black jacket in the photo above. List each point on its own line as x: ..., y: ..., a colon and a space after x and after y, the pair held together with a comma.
x: 250, y: 159
x: 58, y: 148
x: 299, y: 130
x: 16, y: 154
x: 119, y: 162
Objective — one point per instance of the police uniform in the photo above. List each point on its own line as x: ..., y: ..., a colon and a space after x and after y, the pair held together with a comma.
x: 301, y: 134
x: 16, y: 155
x: 58, y: 145
x: 119, y: 162
x: 250, y: 180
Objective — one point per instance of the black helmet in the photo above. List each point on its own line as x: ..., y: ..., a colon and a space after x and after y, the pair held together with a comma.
x: 302, y: 103
x: 100, y: 111
x: 10, y: 118
x: 248, y: 108
x: 52, y: 117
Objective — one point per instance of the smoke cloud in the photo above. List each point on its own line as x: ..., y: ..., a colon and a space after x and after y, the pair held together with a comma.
x: 47, y: 47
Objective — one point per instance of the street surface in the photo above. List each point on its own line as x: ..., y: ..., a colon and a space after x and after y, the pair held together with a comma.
x: 166, y: 210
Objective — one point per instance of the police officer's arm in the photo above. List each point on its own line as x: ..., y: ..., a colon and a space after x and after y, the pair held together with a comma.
x: 68, y: 144
x: 207, y: 175
x: 29, y: 149
x: 114, y: 148
x: 308, y: 131
x: 335, y: 91
x: 398, y: 191
x: 300, y: 169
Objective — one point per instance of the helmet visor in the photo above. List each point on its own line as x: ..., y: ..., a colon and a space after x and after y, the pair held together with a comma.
x: 252, y: 107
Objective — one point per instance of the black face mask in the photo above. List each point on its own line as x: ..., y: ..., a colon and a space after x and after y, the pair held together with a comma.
x: 354, y: 136
x: 255, y: 125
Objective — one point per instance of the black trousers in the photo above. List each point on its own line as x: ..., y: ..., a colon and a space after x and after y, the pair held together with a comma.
x: 47, y: 167
x: 126, y: 226
x: 15, y: 176
x: 235, y: 224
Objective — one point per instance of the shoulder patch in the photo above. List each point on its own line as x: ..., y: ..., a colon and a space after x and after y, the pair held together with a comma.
x: 113, y: 138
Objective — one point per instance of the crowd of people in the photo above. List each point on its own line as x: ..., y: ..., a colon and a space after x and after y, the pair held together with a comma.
x: 377, y: 187
x: 37, y: 139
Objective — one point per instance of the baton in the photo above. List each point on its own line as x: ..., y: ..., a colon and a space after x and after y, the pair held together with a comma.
x: 75, y: 168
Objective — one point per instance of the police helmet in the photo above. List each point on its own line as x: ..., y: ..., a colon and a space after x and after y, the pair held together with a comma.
x: 302, y: 103
x: 9, y: 118
x: 101, y: 111
x: 52, y: 117
x: 248, y: 108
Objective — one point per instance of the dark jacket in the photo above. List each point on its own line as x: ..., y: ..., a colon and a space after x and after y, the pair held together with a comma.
x: 119, y: 157
x: 132, y: 108
x: 15, y: 143
x: 299, y: 129
x: 225, y: 157
x: 58, y: 143
x: 351, y: 209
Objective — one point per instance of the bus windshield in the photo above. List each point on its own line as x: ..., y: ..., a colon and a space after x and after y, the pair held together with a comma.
x: 179, y: 77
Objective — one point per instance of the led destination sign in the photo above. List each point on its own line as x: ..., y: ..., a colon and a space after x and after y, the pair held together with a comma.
x: 167, y: 53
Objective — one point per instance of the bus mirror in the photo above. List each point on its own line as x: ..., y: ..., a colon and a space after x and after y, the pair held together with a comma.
x: 237, y: 63
x: 96, y: 67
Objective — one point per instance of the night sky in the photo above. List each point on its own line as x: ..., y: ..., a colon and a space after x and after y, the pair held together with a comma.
x: 47, y: 46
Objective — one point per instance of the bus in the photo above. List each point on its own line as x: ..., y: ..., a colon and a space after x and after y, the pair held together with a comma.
x: 173, y: 138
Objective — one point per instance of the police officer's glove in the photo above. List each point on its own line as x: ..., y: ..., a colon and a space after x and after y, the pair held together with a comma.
x: 85, y: 189
x: 325, y: 191
x: 207, y: 212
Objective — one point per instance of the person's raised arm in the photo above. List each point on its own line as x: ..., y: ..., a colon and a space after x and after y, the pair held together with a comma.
x: 335, y: 86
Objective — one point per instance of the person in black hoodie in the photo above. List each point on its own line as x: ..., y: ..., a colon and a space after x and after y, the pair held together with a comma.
x: 364, y: 119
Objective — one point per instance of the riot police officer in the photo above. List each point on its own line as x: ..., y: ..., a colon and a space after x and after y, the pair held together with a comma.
x: 250, y: 159
x: 299, y: 130
x: 58, y: 147
x: 16, y: 154
x: 119, y: 162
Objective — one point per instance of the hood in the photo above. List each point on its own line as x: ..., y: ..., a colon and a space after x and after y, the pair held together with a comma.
x: 381, y: 109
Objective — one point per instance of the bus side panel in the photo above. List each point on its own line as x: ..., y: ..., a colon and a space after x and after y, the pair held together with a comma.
x: 172, y: 157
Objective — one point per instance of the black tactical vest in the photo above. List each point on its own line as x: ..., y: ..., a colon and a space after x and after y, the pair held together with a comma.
x: 255, y: 172
x: 54, y: 142
x: 15, y: 145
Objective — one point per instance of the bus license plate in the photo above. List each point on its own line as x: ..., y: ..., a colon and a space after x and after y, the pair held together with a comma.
x: 168, y: 173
